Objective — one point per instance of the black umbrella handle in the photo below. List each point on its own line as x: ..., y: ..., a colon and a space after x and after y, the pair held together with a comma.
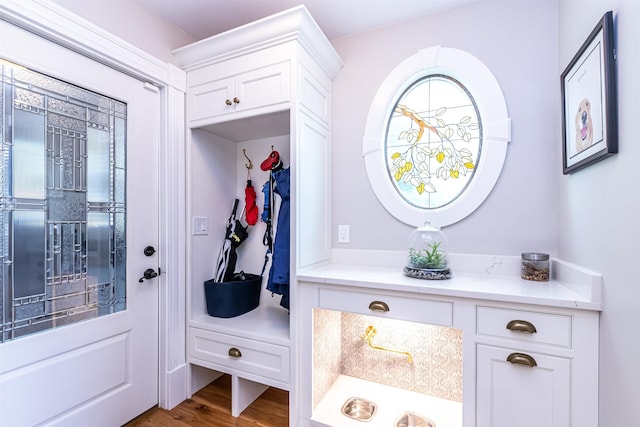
x: 235, y: 209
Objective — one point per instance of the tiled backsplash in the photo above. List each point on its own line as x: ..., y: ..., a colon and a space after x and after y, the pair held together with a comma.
x: 436, y: 350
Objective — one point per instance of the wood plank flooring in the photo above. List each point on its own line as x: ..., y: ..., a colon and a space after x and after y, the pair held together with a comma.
x: 211, y: 407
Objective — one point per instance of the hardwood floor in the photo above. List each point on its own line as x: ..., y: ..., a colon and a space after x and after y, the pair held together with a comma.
x: 211, y: 407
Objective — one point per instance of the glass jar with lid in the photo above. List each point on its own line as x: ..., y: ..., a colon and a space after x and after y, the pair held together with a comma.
x: 428, y: 254
x: 535, y: 266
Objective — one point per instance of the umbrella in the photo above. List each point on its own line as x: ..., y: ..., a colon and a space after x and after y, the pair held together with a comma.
x: 250, y: 207
x: 236, y: 234
x: 251, y: 214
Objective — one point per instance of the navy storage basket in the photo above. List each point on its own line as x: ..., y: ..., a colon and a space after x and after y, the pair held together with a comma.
x: 233, y: 298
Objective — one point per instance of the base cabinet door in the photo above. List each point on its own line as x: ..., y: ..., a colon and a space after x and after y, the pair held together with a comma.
x: 521, y: 389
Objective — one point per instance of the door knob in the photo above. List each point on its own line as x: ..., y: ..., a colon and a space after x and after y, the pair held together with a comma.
x: 149, y: 273
x: 149, y: 250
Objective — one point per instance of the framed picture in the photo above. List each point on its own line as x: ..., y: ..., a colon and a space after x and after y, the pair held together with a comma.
x: 589, y: 112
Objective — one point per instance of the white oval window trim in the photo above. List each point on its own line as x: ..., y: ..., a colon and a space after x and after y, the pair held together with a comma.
x: 485, y: 90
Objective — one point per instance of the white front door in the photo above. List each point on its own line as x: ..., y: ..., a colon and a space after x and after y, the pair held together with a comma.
x: 103, y: 369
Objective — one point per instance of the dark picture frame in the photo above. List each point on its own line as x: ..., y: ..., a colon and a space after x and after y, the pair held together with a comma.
x: 589, y: 106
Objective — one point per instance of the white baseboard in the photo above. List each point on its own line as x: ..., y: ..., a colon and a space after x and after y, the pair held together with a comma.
x: 176, y: 388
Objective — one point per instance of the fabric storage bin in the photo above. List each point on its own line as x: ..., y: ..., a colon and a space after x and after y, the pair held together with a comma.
x: 233, y: 298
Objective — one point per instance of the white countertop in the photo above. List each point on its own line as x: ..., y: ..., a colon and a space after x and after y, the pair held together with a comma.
x: 495, y: 278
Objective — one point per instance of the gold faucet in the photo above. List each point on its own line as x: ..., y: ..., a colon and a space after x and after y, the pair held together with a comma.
x: 370, y: 332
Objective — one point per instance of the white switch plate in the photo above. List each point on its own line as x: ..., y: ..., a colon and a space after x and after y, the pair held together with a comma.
x: 343, y: 234
x: 200, y: 225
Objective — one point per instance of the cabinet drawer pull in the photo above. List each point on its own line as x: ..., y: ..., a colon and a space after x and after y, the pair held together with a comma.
x: 522, y: 359
x: 379, y: 306
x: 521, y: 326
x: 234, y: 352
x: 236, y: 101
x: 228, y: 102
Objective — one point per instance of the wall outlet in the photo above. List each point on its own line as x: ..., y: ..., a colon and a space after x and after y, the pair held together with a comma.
x: 343, y: 234
x: 200, y: 225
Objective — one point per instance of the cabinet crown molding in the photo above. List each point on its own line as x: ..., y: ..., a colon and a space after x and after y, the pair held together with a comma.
x: 295, y: 24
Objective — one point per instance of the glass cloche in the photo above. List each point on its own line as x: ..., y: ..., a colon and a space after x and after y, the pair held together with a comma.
x: 427, y: 257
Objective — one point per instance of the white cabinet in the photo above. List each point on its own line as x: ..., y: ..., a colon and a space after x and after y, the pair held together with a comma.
x: 528, y: 359
x: 219, y: 91
x: 262, y: 87
x: 536, y: 367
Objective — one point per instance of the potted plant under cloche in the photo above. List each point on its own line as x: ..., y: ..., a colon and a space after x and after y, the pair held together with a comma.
x: 427, y: 257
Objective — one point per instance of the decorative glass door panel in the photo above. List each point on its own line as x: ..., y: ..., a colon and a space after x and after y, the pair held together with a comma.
x: 62, y: 203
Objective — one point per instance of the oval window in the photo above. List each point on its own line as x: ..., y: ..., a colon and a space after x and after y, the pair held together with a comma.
x: 436, y: 137
x: 433, y: 141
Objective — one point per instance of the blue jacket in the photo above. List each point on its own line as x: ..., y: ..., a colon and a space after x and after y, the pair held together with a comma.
x: 278, y: 282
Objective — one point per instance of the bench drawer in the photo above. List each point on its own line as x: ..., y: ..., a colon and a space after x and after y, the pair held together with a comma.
x: 239, y: 354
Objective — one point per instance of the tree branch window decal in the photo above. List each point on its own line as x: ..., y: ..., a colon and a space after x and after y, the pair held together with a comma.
x: 433, y: 135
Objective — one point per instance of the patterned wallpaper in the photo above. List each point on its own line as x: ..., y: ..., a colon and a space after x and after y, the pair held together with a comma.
x: 436, y: 350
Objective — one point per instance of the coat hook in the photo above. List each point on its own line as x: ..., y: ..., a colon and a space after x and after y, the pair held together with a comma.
x: 250, y: 164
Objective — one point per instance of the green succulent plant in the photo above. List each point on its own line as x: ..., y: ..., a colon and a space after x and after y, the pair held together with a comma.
x: 432, y: 257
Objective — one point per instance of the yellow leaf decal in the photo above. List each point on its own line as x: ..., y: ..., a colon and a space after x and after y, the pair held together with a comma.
x: 468, y: 165
x: 398, y: 175
x: 420, y: 188
x: 440, y: 157
x: 408, y: 166
x: 453, y: 173
x: 395, y: 155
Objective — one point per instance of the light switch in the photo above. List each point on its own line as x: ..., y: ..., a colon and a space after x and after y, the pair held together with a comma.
x: 343, y: 234
x: 200, y: 225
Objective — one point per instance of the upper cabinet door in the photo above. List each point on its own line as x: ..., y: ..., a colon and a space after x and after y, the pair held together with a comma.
x: 263, y: 87
x: 210, y: 99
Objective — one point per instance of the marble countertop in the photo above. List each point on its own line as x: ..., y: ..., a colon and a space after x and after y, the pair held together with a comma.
x: 485, y: 277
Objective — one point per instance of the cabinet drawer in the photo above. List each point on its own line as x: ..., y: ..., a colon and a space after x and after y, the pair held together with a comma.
x: 256, y: 357
x: 553, y: 329
x: 416, y: 310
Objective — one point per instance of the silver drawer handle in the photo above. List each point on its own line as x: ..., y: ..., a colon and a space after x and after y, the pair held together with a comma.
x: 522, y: 359
x: 234, y: 352
x: 521, y: 326
x: 379, y: 306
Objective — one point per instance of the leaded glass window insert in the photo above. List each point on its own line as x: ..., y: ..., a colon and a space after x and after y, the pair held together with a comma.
x: 436, y: 137
x: 433, y: 141
x: 62, y: 203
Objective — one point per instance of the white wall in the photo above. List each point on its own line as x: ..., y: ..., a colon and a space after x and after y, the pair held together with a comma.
x: 130, y: 21
x: 590, y: 218
x: 518, y: 42
x: 599, y: 211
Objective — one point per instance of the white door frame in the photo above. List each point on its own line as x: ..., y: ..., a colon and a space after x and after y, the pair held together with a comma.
x: 57, y: 24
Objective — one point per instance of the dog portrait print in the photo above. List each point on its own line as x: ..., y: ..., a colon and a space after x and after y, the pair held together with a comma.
x: 584, y: 126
